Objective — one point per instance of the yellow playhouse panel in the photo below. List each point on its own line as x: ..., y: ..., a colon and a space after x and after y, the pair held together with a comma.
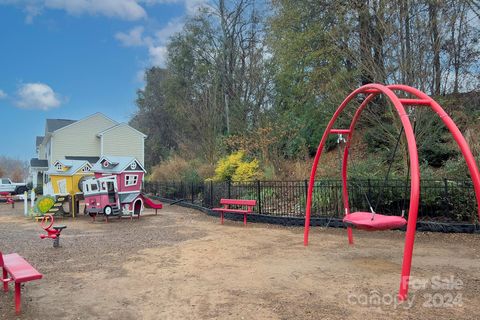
x: 67, y: 184
x: 65, y: 176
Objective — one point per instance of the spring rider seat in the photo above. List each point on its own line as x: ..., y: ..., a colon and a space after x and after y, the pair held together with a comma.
x: 53, y: 232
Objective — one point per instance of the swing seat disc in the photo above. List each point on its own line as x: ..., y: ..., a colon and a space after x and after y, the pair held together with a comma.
x: 364, y: 221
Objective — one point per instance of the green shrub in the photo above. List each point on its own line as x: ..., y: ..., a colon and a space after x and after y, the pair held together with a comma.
x: 246, y: 171
x: 236, y: 168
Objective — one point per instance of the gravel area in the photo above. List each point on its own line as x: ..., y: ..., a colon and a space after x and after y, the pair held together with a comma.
x: 182, y: 264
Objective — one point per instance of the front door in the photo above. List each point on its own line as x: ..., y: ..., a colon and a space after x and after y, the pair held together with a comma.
x: 62, y: 186
x: 111, y: 192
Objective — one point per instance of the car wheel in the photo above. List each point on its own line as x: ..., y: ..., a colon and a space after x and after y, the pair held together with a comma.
x: 107, y: 210
x: 20, y: 190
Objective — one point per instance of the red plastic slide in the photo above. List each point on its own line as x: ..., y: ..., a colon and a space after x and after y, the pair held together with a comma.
x: 151, y: 204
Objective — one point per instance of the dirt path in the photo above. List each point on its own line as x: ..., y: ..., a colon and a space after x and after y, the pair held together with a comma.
x: 182, y: 264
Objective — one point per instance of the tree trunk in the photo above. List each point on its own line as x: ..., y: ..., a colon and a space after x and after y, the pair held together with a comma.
x: 378, y: 35
x: 433, y: 12
x: 365, y: 41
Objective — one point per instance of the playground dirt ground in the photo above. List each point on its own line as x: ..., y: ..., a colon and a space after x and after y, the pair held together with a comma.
x: 182, y: 264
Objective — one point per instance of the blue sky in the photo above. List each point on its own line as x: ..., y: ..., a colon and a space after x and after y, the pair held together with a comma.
x: 71, y: 58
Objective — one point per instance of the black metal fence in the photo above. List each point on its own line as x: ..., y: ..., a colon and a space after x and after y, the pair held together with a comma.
x: 441, y: 200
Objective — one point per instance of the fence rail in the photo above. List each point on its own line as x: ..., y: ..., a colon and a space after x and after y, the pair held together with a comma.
x: 441, y: 200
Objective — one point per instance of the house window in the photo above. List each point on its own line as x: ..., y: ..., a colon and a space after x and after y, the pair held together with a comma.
x: 131, y: 180
x: 86, y: 169
x: 59, y: 166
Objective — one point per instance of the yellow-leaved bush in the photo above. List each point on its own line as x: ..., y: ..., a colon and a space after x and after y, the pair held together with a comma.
x: 235, y: 167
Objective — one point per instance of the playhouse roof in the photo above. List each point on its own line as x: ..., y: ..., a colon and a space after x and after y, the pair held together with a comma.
x: 91, y: 160
x: 128, y: 197
x: 73, y: 166
x: 116, y: 164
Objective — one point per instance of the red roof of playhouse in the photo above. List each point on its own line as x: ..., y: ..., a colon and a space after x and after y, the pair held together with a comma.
x: 117, y: 165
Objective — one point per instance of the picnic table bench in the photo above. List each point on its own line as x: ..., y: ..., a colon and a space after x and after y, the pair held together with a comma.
x: 227, y: 208
x: 7, y: 196
x: 18, y: 270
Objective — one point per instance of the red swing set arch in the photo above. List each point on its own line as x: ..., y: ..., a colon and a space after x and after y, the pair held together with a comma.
x: 420, y: 99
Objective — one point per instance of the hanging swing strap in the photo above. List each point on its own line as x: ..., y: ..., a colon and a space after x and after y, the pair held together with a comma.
x: 408, y: 172
x: 341, y: 139
x: 385, y: 181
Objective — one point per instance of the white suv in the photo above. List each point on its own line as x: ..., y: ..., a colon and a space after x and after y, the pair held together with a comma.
x: 6, y: 185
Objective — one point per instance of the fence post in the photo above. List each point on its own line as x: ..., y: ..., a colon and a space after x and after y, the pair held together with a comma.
x: 259, y: 197
x: 447, y: 200
x: 193, y: 195
x: 229, y: 186
x: 306, y: 190
x: 211, y: 194
x: 369, y: 189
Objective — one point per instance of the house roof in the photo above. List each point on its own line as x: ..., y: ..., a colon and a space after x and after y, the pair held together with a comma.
x: 91, y: 160
x: 123, y: 124
x: 39, y: 140
x: 117, y: 164
x: 73, y: 167
x: 128, y: 197
x: 55, y: 124
x: 37, y: 163
x: 87, y: 118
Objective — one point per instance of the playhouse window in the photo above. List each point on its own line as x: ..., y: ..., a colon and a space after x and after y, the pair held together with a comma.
x: 131, y: 180
x: 86, y: 169
x: 59, y: 166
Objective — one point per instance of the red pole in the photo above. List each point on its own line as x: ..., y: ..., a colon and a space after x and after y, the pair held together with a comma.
x: 317, y: 158
x: 423, y: 99
x: 412, y: 216
x: 345, y: 162
x: 5, y: 283
x: 18, y: 300
x: 457, y: 135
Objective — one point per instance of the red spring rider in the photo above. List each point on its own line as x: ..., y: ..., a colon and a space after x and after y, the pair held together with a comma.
x: 52, y: 232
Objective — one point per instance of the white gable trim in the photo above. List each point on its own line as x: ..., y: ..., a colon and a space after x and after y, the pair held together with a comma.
x: 66, y: 173
x: 139, y: 164
x: 126, y: 166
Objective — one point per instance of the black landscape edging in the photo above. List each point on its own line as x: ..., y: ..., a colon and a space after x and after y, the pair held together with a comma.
x: 323, y: 221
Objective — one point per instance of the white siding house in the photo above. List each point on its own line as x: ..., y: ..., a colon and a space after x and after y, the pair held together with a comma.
x: 122, y: 140
x: 86, y: 139
x: 80, y: 138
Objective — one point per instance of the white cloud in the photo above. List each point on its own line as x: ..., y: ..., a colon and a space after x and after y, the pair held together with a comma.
x: 156, y: 44
x: 122, y: 9
x: 158, y: 55
x: 32, y: 11
x: 37, y: 96
x: 3, y: 95
x: 173, y: 26
x: 192, y: 6
x: 152, y: 2
x: 156, y: 41
x: 133, y: 38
